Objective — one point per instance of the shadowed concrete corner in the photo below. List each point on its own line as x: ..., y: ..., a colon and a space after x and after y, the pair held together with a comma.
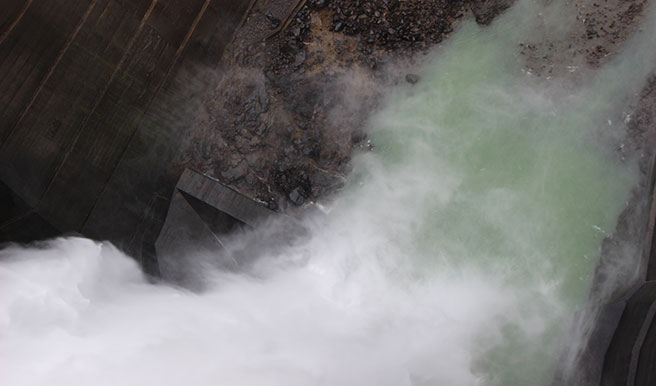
x: 201, y: 213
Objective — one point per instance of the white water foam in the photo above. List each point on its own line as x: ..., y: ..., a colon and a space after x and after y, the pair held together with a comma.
x: 455, y: 256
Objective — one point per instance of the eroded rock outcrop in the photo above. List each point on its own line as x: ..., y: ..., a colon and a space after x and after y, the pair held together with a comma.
x: 298, y: 84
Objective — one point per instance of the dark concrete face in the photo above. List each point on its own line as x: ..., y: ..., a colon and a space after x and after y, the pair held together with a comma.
x: 646, y: 366
x: 210, y: 227
x: 187, y: 246
x: 144, y: 178
x: 87, y: 94
x: 18, y: 223
x: 629, y: 360
x: 202, y: 215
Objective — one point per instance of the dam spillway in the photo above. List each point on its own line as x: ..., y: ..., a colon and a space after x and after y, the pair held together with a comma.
x: 468, y: 230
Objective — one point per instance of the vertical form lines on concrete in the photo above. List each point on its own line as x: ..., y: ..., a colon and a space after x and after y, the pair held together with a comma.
x: 51, y: 70
x: 100, y: 97
x: 16, y: 21
x: 637, y: 345
x: 244, y: 17
x: 191, y: 30
x: 181, y: 48
x: 643, y: 269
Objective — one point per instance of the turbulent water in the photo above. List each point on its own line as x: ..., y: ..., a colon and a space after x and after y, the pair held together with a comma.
x: 456, y: 255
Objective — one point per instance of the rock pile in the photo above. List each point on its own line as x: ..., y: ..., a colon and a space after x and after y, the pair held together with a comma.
x: 393, y: 24
x: 280, y: 124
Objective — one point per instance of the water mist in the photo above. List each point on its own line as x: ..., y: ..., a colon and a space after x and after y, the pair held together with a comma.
x: 456, y: 254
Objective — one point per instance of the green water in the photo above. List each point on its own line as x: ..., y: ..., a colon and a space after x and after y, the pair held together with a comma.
x: 512, y: 178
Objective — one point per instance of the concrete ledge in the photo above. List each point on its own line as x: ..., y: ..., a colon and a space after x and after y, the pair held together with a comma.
x: 203, y: 212
x: 222, y: 198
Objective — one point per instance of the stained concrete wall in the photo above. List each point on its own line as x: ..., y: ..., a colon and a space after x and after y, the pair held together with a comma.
x: 202, y: 214
x: 87, y: 90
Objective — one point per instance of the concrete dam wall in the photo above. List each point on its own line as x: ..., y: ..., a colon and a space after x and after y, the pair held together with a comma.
x: 86, y: 96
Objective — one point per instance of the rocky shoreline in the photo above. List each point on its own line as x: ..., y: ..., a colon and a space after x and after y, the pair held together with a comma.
x: 283, y: 120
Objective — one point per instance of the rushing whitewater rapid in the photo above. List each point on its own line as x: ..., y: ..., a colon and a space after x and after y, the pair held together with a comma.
x: 456, y: 255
